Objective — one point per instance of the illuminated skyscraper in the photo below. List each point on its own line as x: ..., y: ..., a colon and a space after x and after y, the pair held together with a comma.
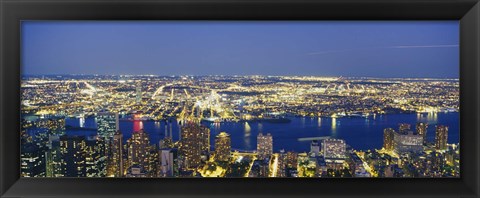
x: 291, y: 160
x: 421, y: 129
x: 116, y: 163
x: 138, y: 149
x: 314, y: 148
x: 32, y: 161
x: 404, y: 128
x: 388, y: 134
x: 74, y: 156
x: 107, y: 124
x: 167, y: 141
x: 138, y: 89
x: 441, y: 137
x: 195, y: 140
x: 333, y: 149
x: 222, y: 147
x: 95, y: 159
x: 264, y: 146
x: 168, y: 162
x: 407, y: 142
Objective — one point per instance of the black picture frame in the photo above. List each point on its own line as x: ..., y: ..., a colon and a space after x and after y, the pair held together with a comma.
x: 13, y: 11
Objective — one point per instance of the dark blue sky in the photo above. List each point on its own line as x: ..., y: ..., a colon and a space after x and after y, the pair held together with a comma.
x: 322, y: 48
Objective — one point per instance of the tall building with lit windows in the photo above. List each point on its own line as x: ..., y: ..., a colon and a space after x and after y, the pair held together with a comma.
x: 32, y: 161
x: 421, y: 129
x: 116, y: 165
x: 138, y: 149
x: 72, y: 149
x: 107, y: 124
x: 222, y: 147
x: 264, y: 146
x: 441, y: 137
x: 404, y: 128
x: 334, y: 148
x: 95, y: 160
x: 195, y: 140
x: 388, y: 134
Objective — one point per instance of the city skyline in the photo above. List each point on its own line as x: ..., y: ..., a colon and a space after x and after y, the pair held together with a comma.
x: 378, y: 49
x: 158, y: 99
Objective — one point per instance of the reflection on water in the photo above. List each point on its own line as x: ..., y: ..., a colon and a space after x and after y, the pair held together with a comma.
x: 334, y: 124
x: 137, y: 125
x: 247, y: 129
x: 260, y: 127
x: 430, y: 117
x: 319, y: 121
x: 82, y: 121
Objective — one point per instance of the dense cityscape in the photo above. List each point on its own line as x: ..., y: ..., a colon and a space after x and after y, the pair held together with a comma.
x: 49, y: 150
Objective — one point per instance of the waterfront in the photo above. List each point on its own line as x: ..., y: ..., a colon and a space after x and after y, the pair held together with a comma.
x: 358, y: 132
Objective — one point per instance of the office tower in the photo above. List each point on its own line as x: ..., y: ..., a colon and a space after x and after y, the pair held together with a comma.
x: 222, y: 147
x: 73, y: 153
x: 407, y: 142
x: 138, y: 90
x: 333, y: 149
x: 404, y: 128
x: 32, y: 161
x: 168, y: 162
x: 53, y: 158
x: 195, y: 140
x: 167, y: 141
x: 441, y: 137
x: 138, y: 147
x: 388, y: 135
x: 107, y: 124
x: 264, y: 146
x: 421, y: 129
x: 95, y: 160
x: 282, y: 163
x: 116, y: 163
x: 314, y: 148
x: 292, y: 160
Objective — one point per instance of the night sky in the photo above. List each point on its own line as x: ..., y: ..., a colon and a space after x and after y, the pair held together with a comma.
x: 322, y: 48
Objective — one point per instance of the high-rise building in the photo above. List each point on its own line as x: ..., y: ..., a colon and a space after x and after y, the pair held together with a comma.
x: 333, y: 149
x: 73, y: 153
x: 138, y: 149
x: 421, y: 129
x: 282, y: 163
x: 167, y: 141
x: 388, y: 134
x: 314, y: 148
x: 107, y: 124
x: 116, y: 162
x: 138, y: 90
x: 407, y: 142
x: 95, y: 159
x: 32, y: 161
x: 441, y: 137
x: 53, y: 157
x: 292, y: 160
x: 195, y: 140
x: 404, y: 128
x: 168, y: 162
x: 222, y: 147
x: 264, y: 146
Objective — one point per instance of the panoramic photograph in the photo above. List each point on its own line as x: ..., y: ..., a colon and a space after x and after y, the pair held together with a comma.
x: 240, y: 99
